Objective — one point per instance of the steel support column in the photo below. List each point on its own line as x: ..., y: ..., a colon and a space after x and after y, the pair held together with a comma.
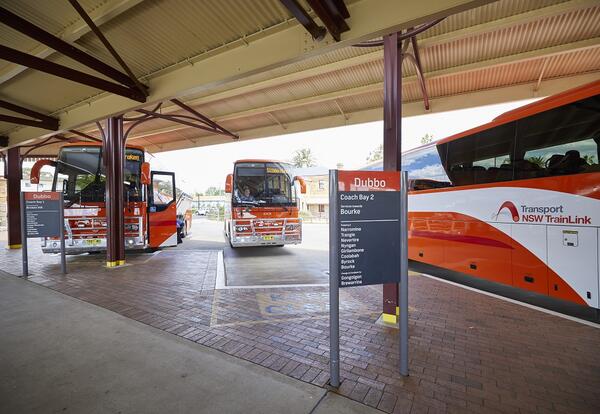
x: 13, y: 190
x: 113, y: 154
x: 392, y: 140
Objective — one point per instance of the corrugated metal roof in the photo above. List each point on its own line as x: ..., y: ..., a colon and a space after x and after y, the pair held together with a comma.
x: 500, y: 44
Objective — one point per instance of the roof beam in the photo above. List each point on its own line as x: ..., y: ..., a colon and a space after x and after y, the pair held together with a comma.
x: 29, y: 29
x: 133, y: 81
x: 331, y: 17
x: 218, y: 128
x: 84, y: 135
x: 104, y: 13
x: 317, y: 32
x: 15, y: 56
x: 40, y: 120
x: 370, y: 18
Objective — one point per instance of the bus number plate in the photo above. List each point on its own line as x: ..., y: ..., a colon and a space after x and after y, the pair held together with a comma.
x: 267, y: 237
x: 92, y: 242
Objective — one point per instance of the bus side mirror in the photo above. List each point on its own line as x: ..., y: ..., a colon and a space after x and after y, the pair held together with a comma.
x: 229, y: 183
x: 145, y: 177
x: 34, y: 176
x: 302, y: 184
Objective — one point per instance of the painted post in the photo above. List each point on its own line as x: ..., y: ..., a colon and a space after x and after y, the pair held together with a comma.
x: 334, y: 295
x: 61, y: 218
x: 24, y: 236
x: 403, y: 286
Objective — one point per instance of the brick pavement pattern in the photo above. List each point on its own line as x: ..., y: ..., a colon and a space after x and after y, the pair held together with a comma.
x: 468, y: 352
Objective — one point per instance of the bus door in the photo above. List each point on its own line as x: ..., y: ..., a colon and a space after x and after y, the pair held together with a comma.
x: 162, y: 210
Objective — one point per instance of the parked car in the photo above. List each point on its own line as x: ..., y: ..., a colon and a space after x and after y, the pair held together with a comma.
x: 201, y: 212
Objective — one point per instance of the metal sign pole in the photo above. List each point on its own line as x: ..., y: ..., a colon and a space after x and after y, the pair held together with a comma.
x: 61, y: 218
x: 403, y: 286
x: 24, y: 236
x: 334, y: 298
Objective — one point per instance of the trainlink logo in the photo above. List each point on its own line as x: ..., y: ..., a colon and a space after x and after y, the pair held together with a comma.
x: 508, y: 205
x: 541, y: 214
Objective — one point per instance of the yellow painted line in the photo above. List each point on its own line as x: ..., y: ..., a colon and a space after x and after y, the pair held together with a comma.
x: 15, y: 246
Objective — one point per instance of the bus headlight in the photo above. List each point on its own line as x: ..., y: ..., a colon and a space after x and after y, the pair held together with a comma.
x: 291, y: 227
x: 241, y: 228
x: 132, y: 227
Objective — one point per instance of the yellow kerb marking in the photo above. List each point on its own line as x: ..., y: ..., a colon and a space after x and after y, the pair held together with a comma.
x: 387, y: 318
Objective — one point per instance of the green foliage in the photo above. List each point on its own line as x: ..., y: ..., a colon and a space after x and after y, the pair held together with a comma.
x: 426, y: 139
x: 538, y: 160
x: 376, y: 154
x: 590, y: 159
x: 304, y: 158
x: 214, y: 191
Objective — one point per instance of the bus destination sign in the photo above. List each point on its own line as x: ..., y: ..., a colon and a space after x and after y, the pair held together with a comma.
x: 368, y: 227
x: 42, y: 214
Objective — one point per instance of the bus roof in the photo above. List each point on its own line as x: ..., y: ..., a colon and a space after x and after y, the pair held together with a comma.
x: 96, y: 144
x: 563, y: 98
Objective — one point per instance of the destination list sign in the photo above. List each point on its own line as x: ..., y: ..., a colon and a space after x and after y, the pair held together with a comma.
x: 42, y: 214
x: 369, y: 227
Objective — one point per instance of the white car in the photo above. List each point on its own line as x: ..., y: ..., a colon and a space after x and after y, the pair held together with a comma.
x: 201, y: 212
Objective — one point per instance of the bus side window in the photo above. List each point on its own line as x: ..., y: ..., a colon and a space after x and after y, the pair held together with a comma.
x: 560, y: 141
x: 484, y: 157
x: 425, y: 169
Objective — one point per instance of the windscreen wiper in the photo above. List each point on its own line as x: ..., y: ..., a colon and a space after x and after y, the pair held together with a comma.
x: 76, y: 168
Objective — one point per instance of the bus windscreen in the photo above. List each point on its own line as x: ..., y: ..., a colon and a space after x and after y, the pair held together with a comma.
x: 263, y: 184
x: 81, y: 177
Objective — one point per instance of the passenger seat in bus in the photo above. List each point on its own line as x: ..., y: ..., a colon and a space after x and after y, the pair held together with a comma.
x: 526, y: 169
x: 570, y: 163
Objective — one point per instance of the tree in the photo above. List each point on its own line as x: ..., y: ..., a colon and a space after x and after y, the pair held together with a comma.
x: 376, y: 154
x: 303, y: 158
x: 426, y: 139
x: 214, y: 191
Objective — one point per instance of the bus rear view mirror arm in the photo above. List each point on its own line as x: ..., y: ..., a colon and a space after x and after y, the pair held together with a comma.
x: 302, y: 184
x: 34, y: 177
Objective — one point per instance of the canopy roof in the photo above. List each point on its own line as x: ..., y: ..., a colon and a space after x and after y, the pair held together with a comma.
x: 253, y: 69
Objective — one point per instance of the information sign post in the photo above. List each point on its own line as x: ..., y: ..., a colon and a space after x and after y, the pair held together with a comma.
x: 367, y: 244
x: 42, y: 215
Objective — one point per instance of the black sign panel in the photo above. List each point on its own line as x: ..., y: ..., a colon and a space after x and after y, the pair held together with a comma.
x: 369, y: 238
x: 367, y: 227
x: 42, y: 214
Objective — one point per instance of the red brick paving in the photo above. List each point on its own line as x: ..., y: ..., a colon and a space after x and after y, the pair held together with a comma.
x: 468, y: 352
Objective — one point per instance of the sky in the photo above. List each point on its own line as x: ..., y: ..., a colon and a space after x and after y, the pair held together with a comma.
x: 199, y: 168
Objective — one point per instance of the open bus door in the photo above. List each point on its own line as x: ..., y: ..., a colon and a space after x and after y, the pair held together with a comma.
x: 162, y: 210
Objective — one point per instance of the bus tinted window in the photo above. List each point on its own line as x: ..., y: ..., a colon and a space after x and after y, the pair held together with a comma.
x: 263, y: 184
x: 483, y: 157
x: 560, y: 141
x: 425, y: 170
